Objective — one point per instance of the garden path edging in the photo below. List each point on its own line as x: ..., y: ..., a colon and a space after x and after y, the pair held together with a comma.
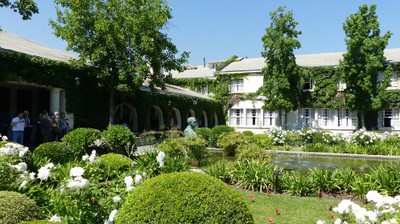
x: 340, y: 155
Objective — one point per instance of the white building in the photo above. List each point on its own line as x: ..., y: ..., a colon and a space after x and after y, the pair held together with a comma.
x: 250, y: 115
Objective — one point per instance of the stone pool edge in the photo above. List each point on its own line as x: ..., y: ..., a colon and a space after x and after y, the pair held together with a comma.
x: 339, y: 155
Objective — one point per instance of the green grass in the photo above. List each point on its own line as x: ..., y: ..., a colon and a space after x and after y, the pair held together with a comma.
x: 293, y: 209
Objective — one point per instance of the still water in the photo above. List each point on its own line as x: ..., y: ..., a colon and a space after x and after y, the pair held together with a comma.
x: 305, y: 162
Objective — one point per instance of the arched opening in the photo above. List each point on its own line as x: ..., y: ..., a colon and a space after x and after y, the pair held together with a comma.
x: 203, y: 120
x: 156, y: 120
x: 125, y: 114
x: 215, y: 119
x: 176, y: 120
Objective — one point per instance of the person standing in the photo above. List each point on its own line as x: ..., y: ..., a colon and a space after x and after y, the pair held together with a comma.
x: 45, y: 127
x: 64, y: 125
x: 18, y: 126
x: 28, y: 129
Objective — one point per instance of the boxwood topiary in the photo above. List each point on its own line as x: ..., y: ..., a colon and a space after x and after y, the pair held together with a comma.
x: 217, y: 131
x: 81, y: 139
x: 174, y: 147
x: 184, y: 198
x: 7, y: 175
x: 119, y: 139
x: 114, y: 162
x: 56, y: 152
x: 16, y: 207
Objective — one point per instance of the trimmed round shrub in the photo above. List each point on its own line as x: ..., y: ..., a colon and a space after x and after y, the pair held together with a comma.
x: 56, y: 152
x: 229, y: 141
x: 114, y: 162
x: 16, y: 207
x: 204, y: 133
x: 81, y: 139
x: 119, y: 139
x: 262, y: 140
x: 8, y: 176
x: 252, y: 151
x: 217, y: 131
x: 197, y: 148
x: 247, y: 133
x: 174, y: 147
x: 184, y: 197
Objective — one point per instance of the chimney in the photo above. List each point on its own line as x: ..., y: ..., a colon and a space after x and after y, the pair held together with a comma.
x: 204, y: 61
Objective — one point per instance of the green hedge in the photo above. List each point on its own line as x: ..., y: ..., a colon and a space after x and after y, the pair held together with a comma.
x: 81, y: 139
x: 119, y: 139
x: 16, y: 207
x: 184, y: 198
x: 56, y: 152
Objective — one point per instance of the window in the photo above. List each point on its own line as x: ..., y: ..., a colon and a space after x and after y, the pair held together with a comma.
x: 253, y: 117
x: 202, y: 90
x: 325, y: 117
x: 306, y: 117
x: 236, y: 117
x: 394, y: 80
x: 387, y: 118
x: 269, y: 118
x: 347, y: 118
x: 341, y: 85
x: 308, y: 84
x: 236, y: 86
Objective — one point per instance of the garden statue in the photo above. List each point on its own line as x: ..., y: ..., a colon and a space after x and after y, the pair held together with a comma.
x: 190, y: 129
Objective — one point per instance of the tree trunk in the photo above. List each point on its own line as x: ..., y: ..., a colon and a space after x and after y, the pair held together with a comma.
x: 111, y: 107
x: 362, y: 117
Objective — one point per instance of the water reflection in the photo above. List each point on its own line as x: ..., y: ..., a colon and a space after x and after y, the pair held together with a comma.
x: 302, y: 162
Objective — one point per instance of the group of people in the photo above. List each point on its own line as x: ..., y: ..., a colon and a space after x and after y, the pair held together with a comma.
x: 48, y: 127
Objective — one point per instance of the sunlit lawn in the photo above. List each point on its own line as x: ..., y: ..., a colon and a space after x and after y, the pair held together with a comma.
x: 293, y: 209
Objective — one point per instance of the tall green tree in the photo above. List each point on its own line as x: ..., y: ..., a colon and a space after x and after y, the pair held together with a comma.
x: 281, y: 74
x: 362, y: 61
x: 122, y: 39
x: 24, y: 7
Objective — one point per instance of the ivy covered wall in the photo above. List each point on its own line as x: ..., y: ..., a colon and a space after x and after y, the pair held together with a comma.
x: 89, y: 102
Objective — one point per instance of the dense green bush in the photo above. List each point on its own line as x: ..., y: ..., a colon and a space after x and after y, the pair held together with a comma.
x: 82, y: 139
x: 184, y: 198
x: 229, y: 141
x: 148, y: 163
x: 174, y: 147
x: 16, y: 207
x: 119, y: 139
x: 293, y: 139
x: 7, y: 175
x: 262, y: 140
x: 247, y: 133
x: 39, y: 222
x: 217, y: 131
x: 221, y: 170
x: 114, y: 162
x: 197, y: 148
x: 204, y: 133
x: 56, y: 152
x: 252, y: 151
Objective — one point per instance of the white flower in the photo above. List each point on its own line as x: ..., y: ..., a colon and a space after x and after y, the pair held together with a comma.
x: 128, y: 181
x: 374, y: 196
x: 138, y: 179
x: 44, y: 172
x: 338, y: 221
x: 23, y: 184
x: 85, y: 157
x: 320, y: 222
x: 116, y: 199
x: 55, y: 218
x: 32, y: 175
x: 76, y: 171
x: 130, y: 188
x: 23, y: 151
x: 4, y: 138
x: 160, y: 158
x: 112, y: 215
x: 77, y: 183
x: 343, y: 207
x: 93, y: 156
x: 21, y: 167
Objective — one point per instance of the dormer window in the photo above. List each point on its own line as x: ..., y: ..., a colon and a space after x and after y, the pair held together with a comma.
x: 236, y: 86
x: 308, y: 84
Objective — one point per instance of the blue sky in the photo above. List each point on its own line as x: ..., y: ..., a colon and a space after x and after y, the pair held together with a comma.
x: 219, y: 29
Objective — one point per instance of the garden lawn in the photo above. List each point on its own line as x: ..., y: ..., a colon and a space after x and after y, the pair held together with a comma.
x: 293, y: 209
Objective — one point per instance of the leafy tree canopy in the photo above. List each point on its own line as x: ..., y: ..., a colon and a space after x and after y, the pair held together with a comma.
x: 24, y: 7
x: 122, y: 38
x: 281, y: 75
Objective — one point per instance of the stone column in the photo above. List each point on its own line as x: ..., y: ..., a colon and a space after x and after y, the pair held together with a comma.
x: 55, y: 99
